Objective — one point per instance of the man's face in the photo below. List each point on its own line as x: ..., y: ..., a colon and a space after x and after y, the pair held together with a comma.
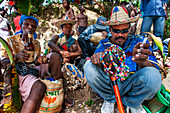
x: 65, y: 4
x: 67, y: 29
x: 119, y: 33
x: 29, y: 25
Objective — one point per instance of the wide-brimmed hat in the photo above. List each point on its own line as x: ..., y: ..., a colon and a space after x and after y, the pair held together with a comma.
x: 65, y: 20
x: 119, y: 15
x: 99, y: 24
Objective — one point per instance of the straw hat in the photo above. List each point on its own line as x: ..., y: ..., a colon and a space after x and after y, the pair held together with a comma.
x: 119, y: 15
x: 65, y: 20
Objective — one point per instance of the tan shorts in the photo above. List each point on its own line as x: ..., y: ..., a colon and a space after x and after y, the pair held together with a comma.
x: 26, y: 82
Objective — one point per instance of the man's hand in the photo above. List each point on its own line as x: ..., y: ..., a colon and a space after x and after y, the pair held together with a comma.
x: 140, y: 54
x: 42, y: 59
x: 96, y: 58
x: 22, y: 55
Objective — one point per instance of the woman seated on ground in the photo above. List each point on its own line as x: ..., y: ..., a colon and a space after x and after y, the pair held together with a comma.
x: 65, y: 47
x: 64, y: 44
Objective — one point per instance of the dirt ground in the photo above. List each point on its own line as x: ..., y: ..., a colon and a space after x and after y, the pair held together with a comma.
x: 82, y: 95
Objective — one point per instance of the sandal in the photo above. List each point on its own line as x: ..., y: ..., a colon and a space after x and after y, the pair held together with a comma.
x: 68, y: 102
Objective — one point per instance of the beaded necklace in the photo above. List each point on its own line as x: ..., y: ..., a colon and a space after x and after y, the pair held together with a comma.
x: 122, y: 69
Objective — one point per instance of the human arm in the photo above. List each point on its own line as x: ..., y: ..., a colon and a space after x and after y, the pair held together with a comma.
x: 76, y: 26
x: 71, y: 14
x: 142, y: 58
x: 88, y: 32
x: 52, y: 44
x: 87, y: 20
x: 22, y: 56
x: 166, y: 13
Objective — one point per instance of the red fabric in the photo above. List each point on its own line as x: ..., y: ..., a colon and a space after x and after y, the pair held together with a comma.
x: 64, y: 47
x: 16, y: 22
x: 125, y: 10
x: 11, y: 3
x: 77, y: 1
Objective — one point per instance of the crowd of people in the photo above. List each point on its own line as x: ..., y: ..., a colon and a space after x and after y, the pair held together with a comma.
x: 144, y: 78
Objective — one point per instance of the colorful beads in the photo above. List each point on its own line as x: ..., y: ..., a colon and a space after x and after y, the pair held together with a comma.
x: 121, y: 70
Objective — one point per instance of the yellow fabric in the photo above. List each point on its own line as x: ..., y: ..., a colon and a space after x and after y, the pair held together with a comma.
x: 61, y: 40
x: 17, y: 44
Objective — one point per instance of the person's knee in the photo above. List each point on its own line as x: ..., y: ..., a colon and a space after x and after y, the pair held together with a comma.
x: 152, y: 79
x: 90, y: 72
x: 55, y: 56
x: 41, y: 86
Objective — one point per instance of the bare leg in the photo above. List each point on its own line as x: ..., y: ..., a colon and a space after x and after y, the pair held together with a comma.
x: 32, y: 104
x: 55, y: 66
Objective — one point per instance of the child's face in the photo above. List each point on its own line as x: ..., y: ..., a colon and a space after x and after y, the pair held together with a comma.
x: 67, y: 29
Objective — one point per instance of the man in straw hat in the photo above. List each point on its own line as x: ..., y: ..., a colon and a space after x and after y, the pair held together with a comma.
x: 143, y: 80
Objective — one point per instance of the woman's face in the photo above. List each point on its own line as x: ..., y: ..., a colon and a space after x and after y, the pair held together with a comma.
x: 67, y: 29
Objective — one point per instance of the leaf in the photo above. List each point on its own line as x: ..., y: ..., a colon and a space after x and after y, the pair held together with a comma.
x: 23, y: 6
x: 36, y: 3
x: 7, y: 47
x: 92, y: 103
x: 89, y: 100
x: 157, y: 40
x: 169, y: 48
x: 86, y: 103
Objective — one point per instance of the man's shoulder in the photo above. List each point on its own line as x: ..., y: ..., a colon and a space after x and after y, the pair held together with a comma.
x: 14, y: 37
x: 135, y: 36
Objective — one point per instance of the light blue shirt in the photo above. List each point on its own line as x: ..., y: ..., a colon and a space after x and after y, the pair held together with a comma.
x: 92, y: 29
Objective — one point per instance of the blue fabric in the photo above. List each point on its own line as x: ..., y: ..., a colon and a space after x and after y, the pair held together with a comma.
x: 142, y: 85
x: 99, y: 24
x: 158, y: 25
x: 153, y: 7
x: 23, y: 17
x: 130, y: 43
x: 35, y: 35
x: 92, y: 29
x: 70, y: 40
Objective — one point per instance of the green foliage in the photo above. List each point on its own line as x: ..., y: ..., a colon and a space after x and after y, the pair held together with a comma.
x: 24, y: 6
x: 27, y: 6
x: 167, y: 29
x: 89, y: 103
x: 1, y: 1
